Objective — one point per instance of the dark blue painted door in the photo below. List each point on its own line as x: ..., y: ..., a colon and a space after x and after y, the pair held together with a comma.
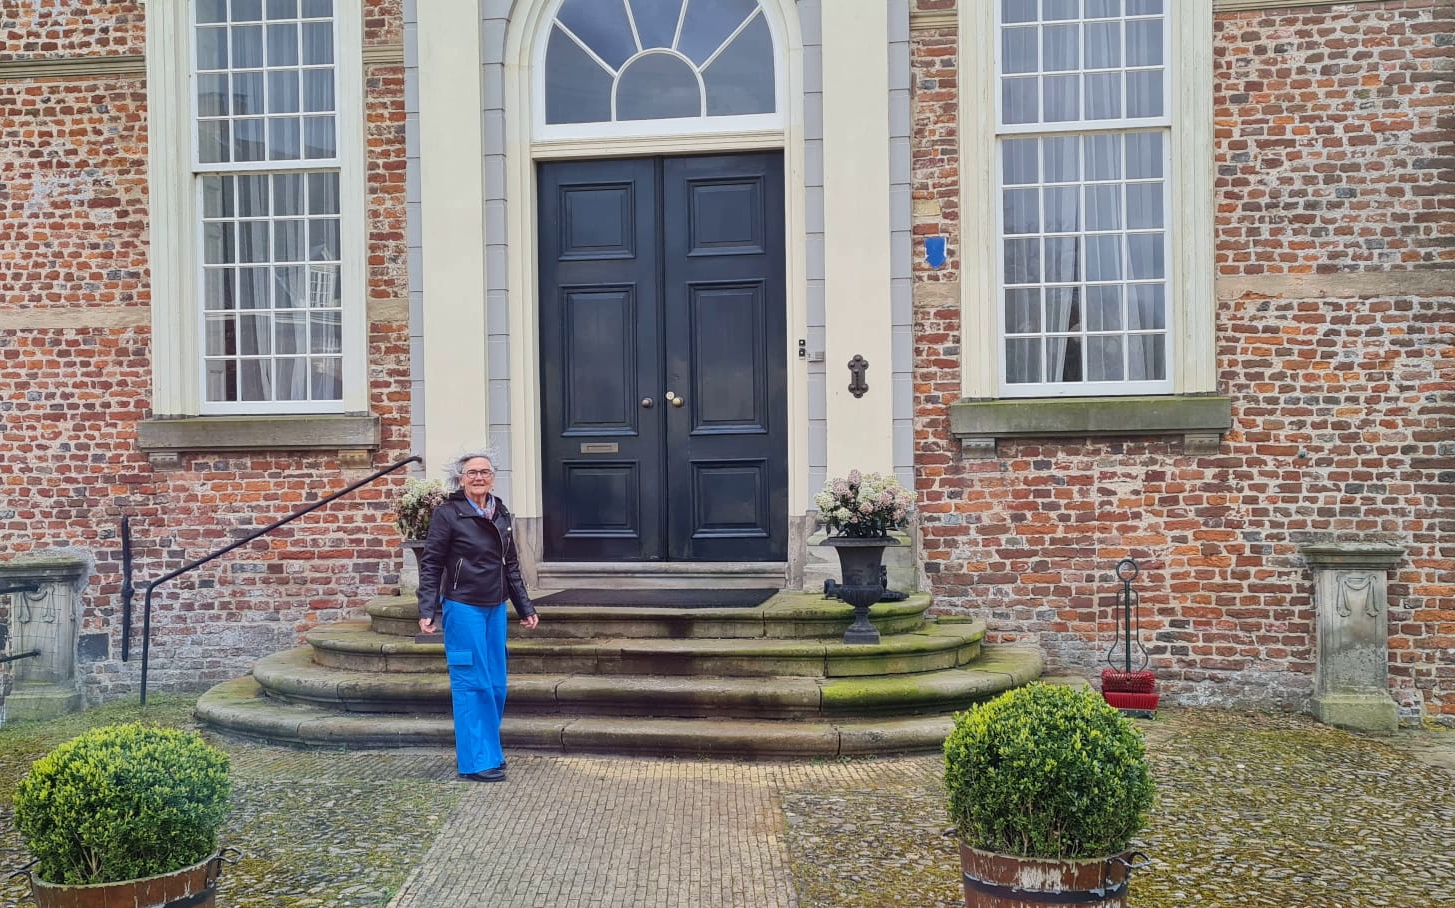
x: 663, y: 359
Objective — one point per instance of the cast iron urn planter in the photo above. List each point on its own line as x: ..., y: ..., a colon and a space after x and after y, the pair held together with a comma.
x: 859, y: 560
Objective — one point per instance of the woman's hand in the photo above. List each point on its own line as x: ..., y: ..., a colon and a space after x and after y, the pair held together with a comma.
x: 426, y: 626
x: 532, y: 621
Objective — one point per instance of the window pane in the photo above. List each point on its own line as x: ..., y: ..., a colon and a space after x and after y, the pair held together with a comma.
x: 1144, y: 93
x: 288, y: 240
x: 318, y: 90
x: 1145, y: 256
x: 252, y: 196
x: 740, y: 80
x: 1063, y: 209
x: 1018, y: 50
x: 317, y: 43
x: 282, y: 9
x: 1103, y: 258
x: 1062, y: 264
x: 1103, y: 308
x: 1060, y: 48
x: 602, y: 27
x: 212, y: 96
x: 252, y: 288
x: 1146, y: 307
x: 290, y: 287
x: 656, y: 21
x: 1144, y: 155
x: 255, y: 379
x: 1144, y: 7
x: 1022, y: 261
x: 1144, y: 42
x: 1060, y: 9
x: 217, y: 289
x: 323, y: 240
x: 288, y: 193
x: 1020, y: 158
x: 291, y: 332
x: 212, y: 48
x: 323, y: 193
x: 1104, y: 157
x: 1104, y: 96
x: 1022, y: 311
x: 318, y: 138
x: 1018, y: 100
x: 283, y: 139
x: 1061, y: 96
x: 252, y: 241
x: 1104, y: 358
x: 1103, y: 208
x: 283, y: 91
x: 247, y: 46
x: 1146, y: 357
x: 254, y: 335
x: 247, y: 94
x: 221, y: 334
x: 1063, y: 359
x: 247, y: 140
x: 657, y: 86
x: 707, y: 25
x: 1063, y: 159
x: 1063, y: 309
x: 1018, y: 10
x: 1022, y: 211
x: 325, y: 333
x: 317, y: 9
x: 1144, y: 205
x: 247, y: 10
x: 218, y: 244
x: 283, y: 44
x: 328, y: 383
x: 322, y: 286
x: 578, y: 90
x: 1103, y: 45
x: 1022, y: 360
x: 292, y: 378
x: 211, y: 10
x: 1097, y: 9
x: 217, y: 196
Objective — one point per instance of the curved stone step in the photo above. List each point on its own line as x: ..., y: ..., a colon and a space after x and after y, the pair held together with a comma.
x: 790, y: 614
x: 241, y: 707
x: 934, y: 646
x: 293, y: 676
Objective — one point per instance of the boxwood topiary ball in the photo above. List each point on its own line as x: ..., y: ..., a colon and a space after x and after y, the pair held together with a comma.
x: 123, y: 802
x: 1049, y: 772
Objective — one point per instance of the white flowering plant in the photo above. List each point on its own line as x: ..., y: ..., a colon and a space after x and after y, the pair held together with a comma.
x: 864, y: 504
x: 416, y: 505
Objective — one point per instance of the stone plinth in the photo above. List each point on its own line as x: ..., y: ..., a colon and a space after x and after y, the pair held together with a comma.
x: 1351, y: 597
x: 41, y: 608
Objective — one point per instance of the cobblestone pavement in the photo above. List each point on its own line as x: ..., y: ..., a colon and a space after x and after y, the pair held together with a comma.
x: 1252, y: 810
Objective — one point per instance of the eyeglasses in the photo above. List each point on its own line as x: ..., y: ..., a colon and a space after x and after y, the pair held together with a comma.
x: 479, y: 474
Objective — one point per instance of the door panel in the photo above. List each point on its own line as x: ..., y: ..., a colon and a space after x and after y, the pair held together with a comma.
x: 725, y: 323
x: 600, y: 347
x: 656, y: 276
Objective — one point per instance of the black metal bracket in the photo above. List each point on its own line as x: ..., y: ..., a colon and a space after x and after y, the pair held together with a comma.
x: 857, y: 367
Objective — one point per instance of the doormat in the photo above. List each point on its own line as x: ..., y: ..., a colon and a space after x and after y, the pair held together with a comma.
x: 690, y: 598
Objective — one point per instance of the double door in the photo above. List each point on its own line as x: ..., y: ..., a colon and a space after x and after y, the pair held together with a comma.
x: 663, y: 359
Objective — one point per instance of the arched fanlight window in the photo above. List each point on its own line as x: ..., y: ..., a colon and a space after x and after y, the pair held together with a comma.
x: 616, y: 61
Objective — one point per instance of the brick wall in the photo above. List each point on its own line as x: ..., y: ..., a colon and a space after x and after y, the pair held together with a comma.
x: 1335, y: 144
x: 75, y: 353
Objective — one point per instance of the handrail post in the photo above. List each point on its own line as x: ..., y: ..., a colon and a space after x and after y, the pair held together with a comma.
x: 127, y: 590
x: 146, y: 625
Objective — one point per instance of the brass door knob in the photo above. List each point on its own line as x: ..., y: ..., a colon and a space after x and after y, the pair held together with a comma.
x: 646, y: 403
x: 674, y: 399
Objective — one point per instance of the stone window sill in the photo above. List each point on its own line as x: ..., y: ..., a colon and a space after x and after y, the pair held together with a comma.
x: 1200, y: 420
x: 355, y: 438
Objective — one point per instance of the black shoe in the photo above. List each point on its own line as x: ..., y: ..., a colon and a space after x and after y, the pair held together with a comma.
x: 489, y: 775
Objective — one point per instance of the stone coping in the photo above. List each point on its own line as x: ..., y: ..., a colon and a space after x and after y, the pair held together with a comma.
x: 165, y: 440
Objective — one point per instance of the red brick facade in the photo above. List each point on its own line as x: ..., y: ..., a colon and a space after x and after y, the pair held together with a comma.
x: 1335, y: 201
x: 75, y: 374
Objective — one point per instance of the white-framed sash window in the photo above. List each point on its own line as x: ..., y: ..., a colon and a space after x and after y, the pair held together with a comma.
x: 1098, y: 153
x: 260, y: 267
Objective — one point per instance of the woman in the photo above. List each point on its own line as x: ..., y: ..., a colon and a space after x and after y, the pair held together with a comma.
x: 468, y: 569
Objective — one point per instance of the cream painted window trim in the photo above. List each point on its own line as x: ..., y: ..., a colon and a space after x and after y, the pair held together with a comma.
x: 1190, y: 182
x: 177, y: 378
x: 524, y: 32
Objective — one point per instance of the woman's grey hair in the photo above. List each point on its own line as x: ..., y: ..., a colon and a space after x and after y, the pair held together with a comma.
x: 455, y: 469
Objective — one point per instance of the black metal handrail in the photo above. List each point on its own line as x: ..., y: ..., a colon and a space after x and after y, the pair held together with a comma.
x: 128, y: 590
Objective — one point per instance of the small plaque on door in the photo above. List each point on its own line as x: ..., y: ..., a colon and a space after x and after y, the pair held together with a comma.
x: 598, y: 447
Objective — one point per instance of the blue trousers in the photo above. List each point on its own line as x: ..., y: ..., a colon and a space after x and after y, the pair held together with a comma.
x: 475, y: 651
